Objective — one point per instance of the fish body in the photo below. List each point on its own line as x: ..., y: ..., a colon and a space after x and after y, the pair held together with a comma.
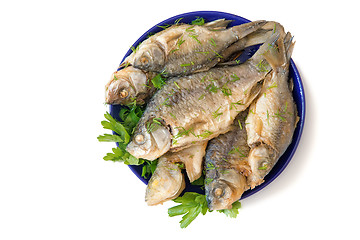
x: 168, y: 182
x: 130, y: 84
x: 198, y: 107
x: 273, y: 115
x: 226, y: 166
x: 183, y: 49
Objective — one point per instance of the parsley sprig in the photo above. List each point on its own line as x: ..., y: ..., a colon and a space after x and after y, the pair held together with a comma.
x: 192, y: 204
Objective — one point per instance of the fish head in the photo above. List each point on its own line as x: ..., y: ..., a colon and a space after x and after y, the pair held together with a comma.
x: 261, y: 160
x: 149, y: 57
x: 221, y: 193
x: 166, y: 183
x: 151, y: 139
x: 125, y: 85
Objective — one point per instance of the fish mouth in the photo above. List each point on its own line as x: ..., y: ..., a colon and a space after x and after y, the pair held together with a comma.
x: 218, y: 195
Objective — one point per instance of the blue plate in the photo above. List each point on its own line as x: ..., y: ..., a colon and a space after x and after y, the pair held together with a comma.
x: 298, y: 93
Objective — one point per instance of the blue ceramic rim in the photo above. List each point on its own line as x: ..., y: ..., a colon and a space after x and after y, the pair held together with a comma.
x: 299, y: 97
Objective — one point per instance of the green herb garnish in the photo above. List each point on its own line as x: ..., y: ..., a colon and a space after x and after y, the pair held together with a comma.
x: 226, y: 90
x: 262, y: 66
x: 198, y: 21
x: 122, y: 132
x: 195, y: 37
x: 205, y: 134
x: 148, y: 168
x: 212, y: 42
x: 153, y: 125
x: 234, y: 78
x: 216, y: 114
x: 158, y: 81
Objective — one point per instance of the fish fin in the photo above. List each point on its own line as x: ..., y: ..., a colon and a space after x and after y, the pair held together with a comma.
x: 245, y: 29
x: 219, y: 24
x: 279, y: 52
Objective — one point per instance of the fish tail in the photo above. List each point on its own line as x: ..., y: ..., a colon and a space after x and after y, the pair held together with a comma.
x: 243, y: 30
x: 219, y: 24
x: 278, y: 53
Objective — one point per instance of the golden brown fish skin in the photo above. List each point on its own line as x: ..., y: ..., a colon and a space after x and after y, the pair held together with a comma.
x: 183, y: 49
x: 227, y: 166
x: 127, y: 85
x: 201, y: 106
x: 168, y: 182
x: 273, y: 116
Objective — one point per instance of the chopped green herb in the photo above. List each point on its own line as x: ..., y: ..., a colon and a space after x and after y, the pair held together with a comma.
x: 273, y: 85
x: 226, y: 90
x: 198, y: 21
x: 262, y: 66
x: 210, y: 166
x: 190, y: 29
x: 154, y: 124
x: 186, y: 64
x: 212, y: 42
x: 282, y: 118
x: 240, y: 124
x: 263, y: 167
x: 234, y: 78
x: 217, y: 54
x: 158, y: 81
x: 202, y: 96
x: 178, y: 44
x: 233, y: 104
x: 134, y: 49
x: 208, y: 180
x: 172, y: 115
x: 236, y: 150
x: 176, y: 84
x: 184, y: 132
x: 195, y: 37
x: 212, y: 88
x: 177, y: 21
x: 216, y: 114
x: 205, y: 134
x: 164, y: 26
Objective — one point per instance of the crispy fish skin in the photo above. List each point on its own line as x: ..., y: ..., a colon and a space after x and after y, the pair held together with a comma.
x: 273, y: 116
x: 227, y: 166
x: 198, y: 107
x: 183, y: 49
x: 168, y: 182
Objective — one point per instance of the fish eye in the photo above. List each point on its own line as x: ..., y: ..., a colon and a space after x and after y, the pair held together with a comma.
x: 263, y: 165
x: 139, y: 139
x: 218, y: 192
x: 144, y: 60
x: 123, y: 93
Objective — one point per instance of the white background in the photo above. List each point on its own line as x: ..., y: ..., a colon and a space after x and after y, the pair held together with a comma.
x: 55, y: 58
